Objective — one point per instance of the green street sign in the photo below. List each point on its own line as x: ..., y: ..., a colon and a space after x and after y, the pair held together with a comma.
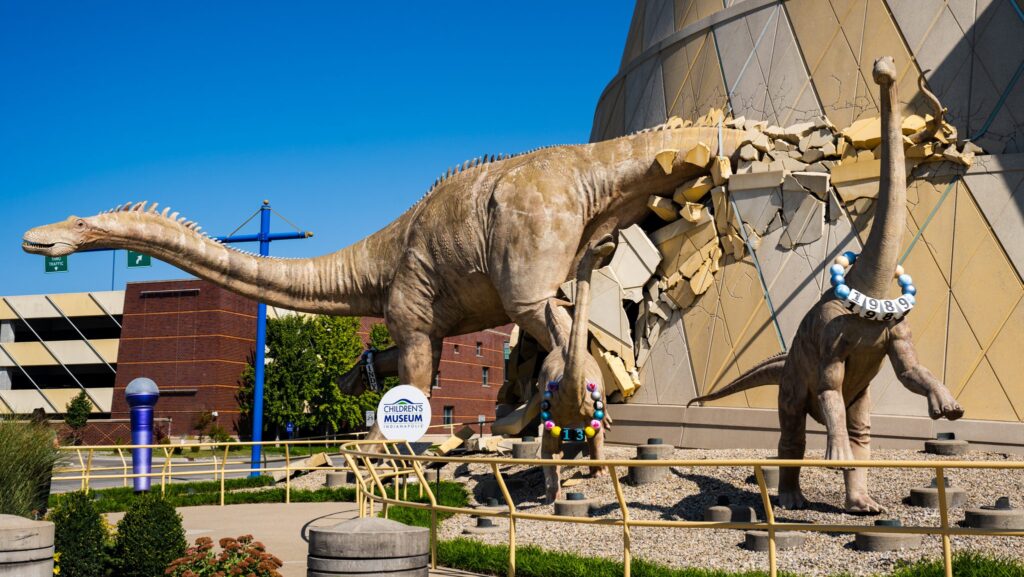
x: 56, y: 264
x: 138, y: 260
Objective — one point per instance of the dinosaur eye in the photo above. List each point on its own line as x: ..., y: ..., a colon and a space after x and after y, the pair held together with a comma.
x: 80, y: 223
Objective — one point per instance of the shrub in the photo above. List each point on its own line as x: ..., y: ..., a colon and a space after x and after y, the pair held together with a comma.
x: 80, y: 536
x: 149, y: 537
x: 241, y: 556
x: 27, y: 456
x: 76, y: 417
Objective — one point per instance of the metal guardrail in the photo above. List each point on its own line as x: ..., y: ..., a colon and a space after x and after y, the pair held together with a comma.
x: 378, y: 462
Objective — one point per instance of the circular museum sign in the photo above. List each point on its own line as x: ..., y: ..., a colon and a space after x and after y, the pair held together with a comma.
x: 403, y: 414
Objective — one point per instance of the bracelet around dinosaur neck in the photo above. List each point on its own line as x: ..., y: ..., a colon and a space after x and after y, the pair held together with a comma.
x: 866, y: 306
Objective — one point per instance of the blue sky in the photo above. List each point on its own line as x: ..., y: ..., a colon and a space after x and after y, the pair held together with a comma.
x: 340, y: 113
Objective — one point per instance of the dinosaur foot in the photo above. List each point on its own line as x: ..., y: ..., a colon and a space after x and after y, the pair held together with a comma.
x: 863, y: 504
x: 839, y: 450
x: 598, y: 472
x: 942, y: 404
x: 792, y: 500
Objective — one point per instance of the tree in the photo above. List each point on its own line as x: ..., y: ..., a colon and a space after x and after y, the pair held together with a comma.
x: 77, y: 414
x: 306, y: 355
x: 380, y: 339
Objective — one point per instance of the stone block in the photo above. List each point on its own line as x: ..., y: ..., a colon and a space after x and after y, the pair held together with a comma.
x: 606, y: 313
x: 756, y: 181
x: 455, y: 441
x: 721, y: 170
x: 692, y: 212
x: 784, y: 540
x: 635, y: 260
x: 699, y: 155
x: 865, y: 133
x: 693, y: 191
x: 815, y: 182
x: 807, y: 223
x: 665, y: 158
x: 812, y: 155
x: 678, y: 241
x: 663, y: 207
x: 749, y: 153
x: 369, y: 546
x: 758, y: 206
x: 26, y: 547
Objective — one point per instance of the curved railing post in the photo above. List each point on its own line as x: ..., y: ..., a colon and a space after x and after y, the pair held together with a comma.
x: 627, y: 555
x: 769, y: 517
x: 947, y: 550
x: 511, y: 519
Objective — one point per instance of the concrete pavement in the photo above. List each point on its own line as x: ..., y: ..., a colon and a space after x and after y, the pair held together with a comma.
x: 283, y: 528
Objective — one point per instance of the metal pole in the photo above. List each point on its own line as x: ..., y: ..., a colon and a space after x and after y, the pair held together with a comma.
x: 261, y: 345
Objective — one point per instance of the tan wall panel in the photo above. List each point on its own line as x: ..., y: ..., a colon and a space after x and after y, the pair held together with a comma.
x: 32, y: 307
x: 25, y: 401
x: 6, y: 314
x: 76, y: 305
x: 104, y: 396
x: 983, y: 397
x: 113, y: 301
x: 61, y: 397
x: 1006, y: 358
x: 29, y: 354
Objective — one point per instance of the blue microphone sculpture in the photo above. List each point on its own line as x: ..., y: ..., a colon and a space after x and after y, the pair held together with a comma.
x: 142, y: 394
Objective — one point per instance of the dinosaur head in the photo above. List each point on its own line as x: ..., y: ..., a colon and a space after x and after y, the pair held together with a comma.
x: 64, y: 237
x: 126, y: 226
x: 884, y: 71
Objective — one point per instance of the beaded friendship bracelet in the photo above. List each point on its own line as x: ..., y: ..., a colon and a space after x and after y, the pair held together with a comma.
x: 868, y: 307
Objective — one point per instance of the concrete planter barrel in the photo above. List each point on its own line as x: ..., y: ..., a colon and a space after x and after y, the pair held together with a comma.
x: 370, y: 546
x: 26, y: 547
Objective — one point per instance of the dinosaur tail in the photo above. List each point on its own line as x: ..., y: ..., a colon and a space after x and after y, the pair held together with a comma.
x: 767, y: 372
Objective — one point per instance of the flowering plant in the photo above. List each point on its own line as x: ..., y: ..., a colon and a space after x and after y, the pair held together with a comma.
x: 242, y: 556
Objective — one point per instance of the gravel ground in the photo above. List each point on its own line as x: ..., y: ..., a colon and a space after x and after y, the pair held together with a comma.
x: 687, y: 491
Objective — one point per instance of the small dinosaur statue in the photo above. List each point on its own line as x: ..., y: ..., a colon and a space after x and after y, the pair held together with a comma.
x: 491, y: 242
x: 570, y: 375
x: 836, y: 353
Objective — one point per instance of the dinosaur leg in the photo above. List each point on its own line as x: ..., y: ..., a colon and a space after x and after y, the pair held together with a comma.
x: 858, y: 426
x: 793, y: 440
x: 917, y: 378
x: 597, y: 454
x: 833, y: 410
x: 550, y: 448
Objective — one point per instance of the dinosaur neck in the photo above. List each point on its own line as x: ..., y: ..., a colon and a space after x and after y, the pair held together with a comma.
x: 576, y: 348
x: 873, y: 272
x: 350, y: 281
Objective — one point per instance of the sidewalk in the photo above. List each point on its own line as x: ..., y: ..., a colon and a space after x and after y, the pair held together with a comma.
x: 282, y: 528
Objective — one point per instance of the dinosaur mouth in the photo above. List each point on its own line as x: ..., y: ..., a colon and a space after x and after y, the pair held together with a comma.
x: 49, y: 249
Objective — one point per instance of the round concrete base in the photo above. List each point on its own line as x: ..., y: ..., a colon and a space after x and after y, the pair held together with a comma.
x: 771, y: 477
x: 486, y: 528
x: 369, y: 546
x: 526, y: 450
x: 949, y: 448
x: 660, y: 451
x: 340, y: 478
x: 730, y: 514
x: 758, y: 540
x: 877, y: 542
x: 992, y: 518
x: 643, y: 475
x: 26, y: 547
x: 929, y: 497
x: 567, y: 508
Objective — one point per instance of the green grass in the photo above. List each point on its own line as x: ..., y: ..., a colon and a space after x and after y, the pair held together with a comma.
x: 531, y: 561
x: 447, y: 493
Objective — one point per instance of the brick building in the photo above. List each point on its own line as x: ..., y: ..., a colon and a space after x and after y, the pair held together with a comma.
x: 194, y: 339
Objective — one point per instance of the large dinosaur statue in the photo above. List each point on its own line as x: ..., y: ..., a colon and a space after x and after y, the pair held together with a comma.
x: 576, y: 395
x: 489, y: 243
x: 835, y: 353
